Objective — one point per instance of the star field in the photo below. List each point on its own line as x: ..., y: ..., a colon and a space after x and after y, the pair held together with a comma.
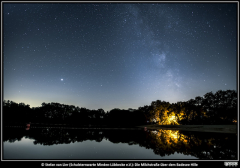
x: 118, y: 55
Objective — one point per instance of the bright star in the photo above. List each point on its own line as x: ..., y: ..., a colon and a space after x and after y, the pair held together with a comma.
x: 61, y: 79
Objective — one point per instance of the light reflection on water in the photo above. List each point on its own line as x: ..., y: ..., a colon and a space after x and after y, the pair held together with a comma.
x: 84, y: 150
x: 52, y: 143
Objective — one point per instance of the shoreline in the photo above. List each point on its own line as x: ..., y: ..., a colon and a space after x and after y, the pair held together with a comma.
x: 70, y: 127
x: 200, y: 128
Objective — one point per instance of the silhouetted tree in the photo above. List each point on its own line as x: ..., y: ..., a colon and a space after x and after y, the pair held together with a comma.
x: 218, y: 108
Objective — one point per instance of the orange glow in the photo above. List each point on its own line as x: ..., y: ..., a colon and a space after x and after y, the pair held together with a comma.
x: 172, y: 120
x: 169, y: 136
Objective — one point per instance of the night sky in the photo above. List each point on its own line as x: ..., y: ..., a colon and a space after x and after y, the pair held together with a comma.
x: 118, y: 55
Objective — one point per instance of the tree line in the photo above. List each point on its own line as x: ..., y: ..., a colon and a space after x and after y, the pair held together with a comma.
x: 218, y: 108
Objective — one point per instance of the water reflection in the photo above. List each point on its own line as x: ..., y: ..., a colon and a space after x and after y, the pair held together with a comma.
x: 161, y: 142
x: 201, y: 145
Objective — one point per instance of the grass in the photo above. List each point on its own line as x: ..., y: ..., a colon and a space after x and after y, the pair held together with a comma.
x: 201, y: 128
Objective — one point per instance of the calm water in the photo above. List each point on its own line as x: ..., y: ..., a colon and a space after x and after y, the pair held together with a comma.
x: 68, y: 143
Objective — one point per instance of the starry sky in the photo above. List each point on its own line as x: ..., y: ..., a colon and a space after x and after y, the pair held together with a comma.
x: 117, y: 55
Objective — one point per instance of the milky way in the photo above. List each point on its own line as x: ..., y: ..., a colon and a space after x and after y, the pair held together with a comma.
x: 117, y: 55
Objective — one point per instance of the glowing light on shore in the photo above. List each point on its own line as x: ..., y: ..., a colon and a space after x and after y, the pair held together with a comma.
x: 173, y: 119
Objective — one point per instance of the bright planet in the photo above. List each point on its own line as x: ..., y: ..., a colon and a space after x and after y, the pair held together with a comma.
x: 138, y: 52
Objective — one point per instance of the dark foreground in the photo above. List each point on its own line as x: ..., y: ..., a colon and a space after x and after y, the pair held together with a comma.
x: 201, y: 128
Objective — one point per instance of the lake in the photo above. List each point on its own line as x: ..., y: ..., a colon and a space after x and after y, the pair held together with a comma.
x: 40, y: 143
